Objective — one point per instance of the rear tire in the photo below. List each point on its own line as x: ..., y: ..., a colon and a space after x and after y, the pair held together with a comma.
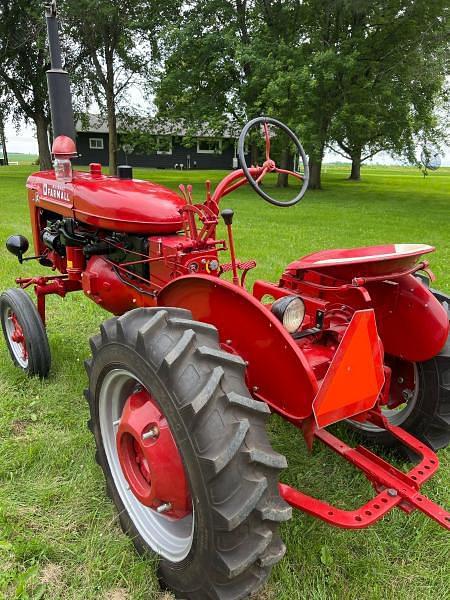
x: 428, y: 416
x: 21, y: 321
x: 219, y: 431
x: 429, y: 419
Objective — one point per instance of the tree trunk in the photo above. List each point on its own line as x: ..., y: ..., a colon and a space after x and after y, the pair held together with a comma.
x: 111, y: 110
x: 253, y: 153
x: 355, y: 174
x: 45, y: 159
x: 315, y: 171
x: 3, y: 142
x: 316, y: 157
x: 112, y: 137
x: 285, y: 163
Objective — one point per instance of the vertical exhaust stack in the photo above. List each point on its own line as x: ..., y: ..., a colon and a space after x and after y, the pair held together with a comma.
x: 58, y: 80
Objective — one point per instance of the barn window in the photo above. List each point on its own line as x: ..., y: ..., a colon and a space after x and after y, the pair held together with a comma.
x: 164, y: 145
x: 96, y: 143
x: 209, y: 146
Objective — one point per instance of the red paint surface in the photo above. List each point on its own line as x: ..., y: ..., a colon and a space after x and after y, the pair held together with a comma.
x: 114, y: 204
x: 128, y: 205
x: 355, y: 376
x: 394, y: 487
x: 276, y: 366
x: 348, y: 263
x: 153, y: 466
x: 18, y: 335
x: 64, y: 146
x: 412, y: 324
x: 339, y: 367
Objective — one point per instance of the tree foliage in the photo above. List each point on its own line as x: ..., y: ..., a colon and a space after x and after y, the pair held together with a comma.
x: 395, y: 82
x: 23, y: 63
x: 366, y: 75
x: 116, y: 43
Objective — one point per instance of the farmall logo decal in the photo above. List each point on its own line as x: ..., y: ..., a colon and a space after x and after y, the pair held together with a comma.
x: 56, y: 192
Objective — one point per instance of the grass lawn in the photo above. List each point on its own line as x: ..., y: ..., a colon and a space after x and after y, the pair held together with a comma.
x: 59, y: 537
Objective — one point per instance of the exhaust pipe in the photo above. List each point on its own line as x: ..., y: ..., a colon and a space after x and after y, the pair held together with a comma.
x: 58, y: 80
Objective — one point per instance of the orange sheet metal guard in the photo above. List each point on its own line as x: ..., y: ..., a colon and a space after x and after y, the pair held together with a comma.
x: 355, y: 377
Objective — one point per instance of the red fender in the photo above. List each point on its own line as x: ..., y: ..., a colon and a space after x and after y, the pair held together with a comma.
x: 411, y: 322
x: 278, y: 373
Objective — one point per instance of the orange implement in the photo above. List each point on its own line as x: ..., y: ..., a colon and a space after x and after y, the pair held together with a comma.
x: 355, y: 377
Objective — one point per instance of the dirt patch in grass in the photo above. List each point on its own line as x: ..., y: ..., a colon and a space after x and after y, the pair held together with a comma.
x: 19, y: 427
x: 267, y: 593
x: 117, y: 594
x: 51, y: 576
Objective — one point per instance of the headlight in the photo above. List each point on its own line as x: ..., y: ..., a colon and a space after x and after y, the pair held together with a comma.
x: 290, y: 310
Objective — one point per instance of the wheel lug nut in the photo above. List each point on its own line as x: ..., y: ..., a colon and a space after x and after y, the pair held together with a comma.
x: 162, y: 508
x: 150, y: 434
x: 407, y: 395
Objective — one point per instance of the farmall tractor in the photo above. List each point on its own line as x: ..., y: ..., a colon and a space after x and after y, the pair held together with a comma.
x: 184, y: 376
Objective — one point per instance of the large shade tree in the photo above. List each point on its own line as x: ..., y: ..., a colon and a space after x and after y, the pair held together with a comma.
x: 23, y: 64
x: 239, y: 59
x: 394, y: 83
x: 116, y: 44
x: 5, y: 103
x: 332, y: 69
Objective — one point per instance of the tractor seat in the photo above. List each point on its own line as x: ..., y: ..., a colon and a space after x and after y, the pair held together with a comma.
x: 347, y: 263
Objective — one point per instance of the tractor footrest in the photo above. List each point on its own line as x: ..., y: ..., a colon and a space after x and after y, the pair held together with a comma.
x: 241, y: 265
x: 394, y: 487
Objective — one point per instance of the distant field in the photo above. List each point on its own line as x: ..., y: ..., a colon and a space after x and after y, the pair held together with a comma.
x: 22, y: 159
x: 59, y: 537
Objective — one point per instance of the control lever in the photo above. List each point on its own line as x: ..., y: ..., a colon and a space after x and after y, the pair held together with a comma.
x: 227, y: 216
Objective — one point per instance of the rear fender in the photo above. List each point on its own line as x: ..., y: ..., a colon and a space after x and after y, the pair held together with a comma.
x: 412, y: 323
x: 277, y: 371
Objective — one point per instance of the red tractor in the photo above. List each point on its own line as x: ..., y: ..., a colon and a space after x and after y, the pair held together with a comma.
x: 185, y: 374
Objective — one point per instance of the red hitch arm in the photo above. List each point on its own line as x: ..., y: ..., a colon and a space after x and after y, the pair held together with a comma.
x: 394, y: 487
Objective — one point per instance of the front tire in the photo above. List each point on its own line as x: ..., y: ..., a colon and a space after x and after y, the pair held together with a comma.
x: 230, y: 538
x: 24, y: 333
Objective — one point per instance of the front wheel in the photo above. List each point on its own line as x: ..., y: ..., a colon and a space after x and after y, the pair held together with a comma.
x: 24, y: 333
x: 185, y: 454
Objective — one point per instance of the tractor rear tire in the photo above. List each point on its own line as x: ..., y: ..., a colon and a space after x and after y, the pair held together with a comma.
x: 428, y: 417
x: 219, y: 432
x: 30, y: 350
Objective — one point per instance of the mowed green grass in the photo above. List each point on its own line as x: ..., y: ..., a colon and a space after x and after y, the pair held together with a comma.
x: 59, y: 536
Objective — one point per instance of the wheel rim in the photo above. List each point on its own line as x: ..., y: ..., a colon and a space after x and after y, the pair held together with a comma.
x: 138, y: 462
x: 16, y: 337
x: 400, y: 411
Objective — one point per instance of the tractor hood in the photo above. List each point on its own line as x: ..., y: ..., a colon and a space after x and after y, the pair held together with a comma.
x: 128, y: 205
x: 124, y: 205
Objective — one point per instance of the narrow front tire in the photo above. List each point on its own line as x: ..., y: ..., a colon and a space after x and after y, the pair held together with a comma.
x: 24, y: 333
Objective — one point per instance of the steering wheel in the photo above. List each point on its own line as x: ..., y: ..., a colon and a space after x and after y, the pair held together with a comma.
x: 269, y: 165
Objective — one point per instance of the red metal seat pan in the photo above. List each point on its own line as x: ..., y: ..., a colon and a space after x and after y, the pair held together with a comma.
x: 359, y: 262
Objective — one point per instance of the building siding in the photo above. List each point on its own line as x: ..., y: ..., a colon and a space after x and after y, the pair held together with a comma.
x: 179, y: 155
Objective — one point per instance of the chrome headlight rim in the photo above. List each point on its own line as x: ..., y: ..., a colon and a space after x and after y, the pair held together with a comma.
x: 290, y: 311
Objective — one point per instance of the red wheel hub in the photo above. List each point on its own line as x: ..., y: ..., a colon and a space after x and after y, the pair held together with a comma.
x: 18, y: 336
x: 149, y: 457
x: 403, y: 382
